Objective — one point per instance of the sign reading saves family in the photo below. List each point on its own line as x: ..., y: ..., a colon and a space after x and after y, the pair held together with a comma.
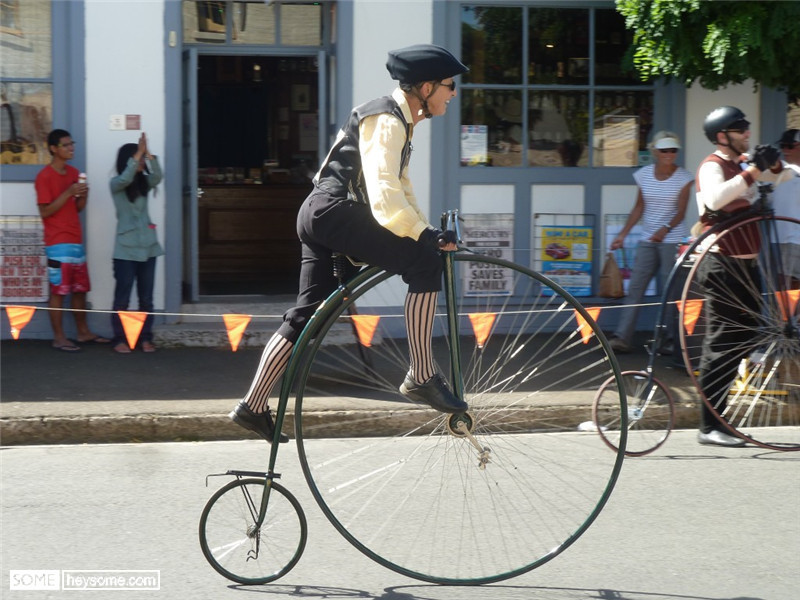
x: 491, y: 235
x: 566, y: 258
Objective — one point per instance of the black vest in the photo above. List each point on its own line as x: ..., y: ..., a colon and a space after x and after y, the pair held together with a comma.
x: 341, y: 174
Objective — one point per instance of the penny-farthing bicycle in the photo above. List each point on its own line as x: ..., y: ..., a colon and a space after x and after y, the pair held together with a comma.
x: 762, y: 406
x: 459, y: 499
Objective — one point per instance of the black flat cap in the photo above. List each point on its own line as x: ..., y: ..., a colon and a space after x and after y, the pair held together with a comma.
x: 423, y: 62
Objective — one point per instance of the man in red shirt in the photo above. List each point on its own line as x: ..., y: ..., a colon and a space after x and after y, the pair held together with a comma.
x: 60, y: 198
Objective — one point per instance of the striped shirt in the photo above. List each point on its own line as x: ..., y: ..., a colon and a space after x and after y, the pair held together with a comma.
x: 661, y: 202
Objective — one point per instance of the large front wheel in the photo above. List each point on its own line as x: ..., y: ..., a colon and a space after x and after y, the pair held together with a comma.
x: 470, y: 498
x: 740, y: 330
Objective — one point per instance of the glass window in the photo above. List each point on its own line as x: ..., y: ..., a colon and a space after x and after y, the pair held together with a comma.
x: 583, y: 108
x: 491, y: 39
x: 252, y: 22
x: 301, y: 24
x: 611, y: 42
x: 559, y: 129
x: 559, y: 46
x: 26, y: 88
x: 621, y: 127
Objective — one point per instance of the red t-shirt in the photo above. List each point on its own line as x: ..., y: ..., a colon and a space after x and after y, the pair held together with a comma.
x: 64, y: 227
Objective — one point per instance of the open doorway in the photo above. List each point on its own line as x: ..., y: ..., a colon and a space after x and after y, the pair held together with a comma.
x: 257, y: 150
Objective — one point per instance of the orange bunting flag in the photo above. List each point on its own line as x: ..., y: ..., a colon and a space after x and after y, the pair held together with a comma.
x: 691, y: 312
x: 583, y: 327
x: 235, y: 324
x: 788, y: 302
x: 132, y: 323
x: 482, y: 326
x: 365, y: 327
x: 19, y: 316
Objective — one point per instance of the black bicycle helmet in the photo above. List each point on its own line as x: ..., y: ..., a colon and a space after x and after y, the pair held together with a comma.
x: 723, y: 119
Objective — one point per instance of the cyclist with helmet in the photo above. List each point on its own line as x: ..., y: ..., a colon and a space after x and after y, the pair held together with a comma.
x: 726, y: 186
x: 363, y: 206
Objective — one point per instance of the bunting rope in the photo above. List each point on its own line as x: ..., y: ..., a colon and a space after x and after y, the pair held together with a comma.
x: 280, y: 315
x: 20, y: 315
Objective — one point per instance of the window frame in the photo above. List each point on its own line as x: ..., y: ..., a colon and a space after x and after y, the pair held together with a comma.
x: 526, y: 89
x: 67, y: 78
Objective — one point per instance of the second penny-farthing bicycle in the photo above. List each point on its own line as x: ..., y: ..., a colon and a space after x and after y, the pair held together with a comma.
x: 762, y: 406
x: 460, y: 499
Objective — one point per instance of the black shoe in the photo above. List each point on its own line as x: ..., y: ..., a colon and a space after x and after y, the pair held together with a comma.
x: 261, y: 424
x: 434, y: 393
x: 619, y: 345
x: 666, y: 349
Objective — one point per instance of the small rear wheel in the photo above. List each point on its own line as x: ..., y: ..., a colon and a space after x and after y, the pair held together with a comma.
x: 651, y: 413
x: 240, y: 550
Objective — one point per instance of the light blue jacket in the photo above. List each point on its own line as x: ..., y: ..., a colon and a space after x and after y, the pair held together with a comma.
x: 136, y: 235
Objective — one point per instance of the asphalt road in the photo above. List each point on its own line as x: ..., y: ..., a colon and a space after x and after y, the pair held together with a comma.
x: 689, y: 522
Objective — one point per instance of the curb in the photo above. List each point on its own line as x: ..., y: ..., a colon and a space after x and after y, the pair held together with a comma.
x: 104, y: 429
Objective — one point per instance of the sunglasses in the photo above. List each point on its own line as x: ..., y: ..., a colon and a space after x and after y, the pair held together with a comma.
x: 739, y: 131
x: 451, y: 85
x: 668, y: 150
x: 790, y: 146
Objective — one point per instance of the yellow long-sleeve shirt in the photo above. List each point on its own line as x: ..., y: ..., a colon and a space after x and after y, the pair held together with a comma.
x: 391, y: 196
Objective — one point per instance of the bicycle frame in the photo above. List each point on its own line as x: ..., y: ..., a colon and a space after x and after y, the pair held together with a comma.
x: 449, y: 222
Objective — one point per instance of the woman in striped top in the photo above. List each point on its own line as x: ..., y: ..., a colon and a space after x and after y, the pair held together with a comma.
x: 660, y: 206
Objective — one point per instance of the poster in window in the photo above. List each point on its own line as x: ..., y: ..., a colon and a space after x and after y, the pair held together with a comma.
x: 474, y: 144
x: 566, y: 258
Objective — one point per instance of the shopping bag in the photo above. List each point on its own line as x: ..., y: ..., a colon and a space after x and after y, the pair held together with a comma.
x: 610, y: 285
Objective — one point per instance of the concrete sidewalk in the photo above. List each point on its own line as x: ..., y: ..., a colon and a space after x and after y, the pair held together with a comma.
x: 176, y: 394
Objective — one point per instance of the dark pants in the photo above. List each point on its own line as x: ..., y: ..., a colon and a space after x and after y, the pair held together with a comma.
x: 126, y: 272
x: 731, y: 316
x: 326, y: 225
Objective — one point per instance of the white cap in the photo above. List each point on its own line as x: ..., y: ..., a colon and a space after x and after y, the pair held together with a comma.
x: 667, y: 142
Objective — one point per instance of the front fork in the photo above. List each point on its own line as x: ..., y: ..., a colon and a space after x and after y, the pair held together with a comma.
x: 450, y: 222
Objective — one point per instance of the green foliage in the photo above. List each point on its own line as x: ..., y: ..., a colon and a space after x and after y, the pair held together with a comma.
x: 716, y: 42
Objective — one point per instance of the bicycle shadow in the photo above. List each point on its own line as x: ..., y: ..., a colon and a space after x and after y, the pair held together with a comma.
x: 486, y: 592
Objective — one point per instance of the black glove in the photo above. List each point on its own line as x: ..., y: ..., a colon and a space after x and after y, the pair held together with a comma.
x: 436, y: 238
x: 765, y: 157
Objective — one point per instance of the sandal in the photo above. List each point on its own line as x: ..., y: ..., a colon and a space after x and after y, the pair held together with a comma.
x: 148, y: 347
x: 121, y: 348
x: 68, y: 347
x: 95, y: 340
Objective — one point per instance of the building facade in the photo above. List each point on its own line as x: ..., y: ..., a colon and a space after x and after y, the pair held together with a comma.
x: 241, y: 99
